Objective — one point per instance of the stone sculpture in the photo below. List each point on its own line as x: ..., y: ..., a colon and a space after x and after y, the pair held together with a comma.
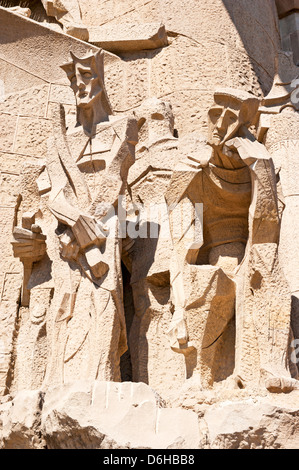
x: 84, y: 176
x: 156, y: 156
x: 232, y: 266
x: 279, y: 125
x: 68, y: 13
x: 20, y: 11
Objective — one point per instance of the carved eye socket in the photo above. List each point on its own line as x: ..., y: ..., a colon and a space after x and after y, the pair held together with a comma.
x: 87, y: 75
x: 157, y: 116
x: 215, y: 114
x: 232, y: 119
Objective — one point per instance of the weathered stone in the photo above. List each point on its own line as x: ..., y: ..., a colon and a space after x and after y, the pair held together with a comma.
x: 20, y: 422
x: 129, y: 37
x: 109, y: 415
x: 252, y: 424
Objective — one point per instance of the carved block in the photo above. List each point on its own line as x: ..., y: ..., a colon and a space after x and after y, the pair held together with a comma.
x: 97, y: 265
x: 124, y: 37
x: 28, y: 245
x: 87, y: 232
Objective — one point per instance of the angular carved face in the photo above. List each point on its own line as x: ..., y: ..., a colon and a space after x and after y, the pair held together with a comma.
x: 224, y: 121
x: 85, y: 84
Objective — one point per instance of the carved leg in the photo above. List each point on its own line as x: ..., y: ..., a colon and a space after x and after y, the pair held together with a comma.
x: 106, y: 351
x: 209, y: 308
x: 31, y: 345
x: 263, y: 322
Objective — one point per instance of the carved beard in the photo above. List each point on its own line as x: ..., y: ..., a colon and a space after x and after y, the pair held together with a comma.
x: 85, y: 100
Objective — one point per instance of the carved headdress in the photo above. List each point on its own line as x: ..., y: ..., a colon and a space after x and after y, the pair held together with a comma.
x: 96, y: 63
x: 247, y: 103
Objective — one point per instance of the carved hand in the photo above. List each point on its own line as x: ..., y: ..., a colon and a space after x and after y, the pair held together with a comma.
x: 178, y: 334
x: 247, y: 149
x: 29, y: 245
x: 88, y: 232
x: 68, y: 246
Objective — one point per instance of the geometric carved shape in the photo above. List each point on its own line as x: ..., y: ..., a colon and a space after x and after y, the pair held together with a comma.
x: 86, y: 231
x: 97, y: 265
x: 125, y: 37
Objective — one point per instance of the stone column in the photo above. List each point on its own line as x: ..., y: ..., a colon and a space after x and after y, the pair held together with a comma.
x: 288, y: 13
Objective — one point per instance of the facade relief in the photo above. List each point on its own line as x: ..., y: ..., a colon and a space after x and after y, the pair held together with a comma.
x: 68, y: 13
x: 213, y: 262
x: 85, y: 173
x: 55, y: 13
x: 230, y: 267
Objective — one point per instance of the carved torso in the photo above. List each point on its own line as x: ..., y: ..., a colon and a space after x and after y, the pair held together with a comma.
x: 93, y: 154
x: 226, y: 196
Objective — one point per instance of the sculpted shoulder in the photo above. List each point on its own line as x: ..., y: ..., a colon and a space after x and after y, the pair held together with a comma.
x: 194, y: 154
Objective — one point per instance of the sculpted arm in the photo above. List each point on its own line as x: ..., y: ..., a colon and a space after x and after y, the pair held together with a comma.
x: 263, y: 212
x: 29, y: 245
x: 114, y: 178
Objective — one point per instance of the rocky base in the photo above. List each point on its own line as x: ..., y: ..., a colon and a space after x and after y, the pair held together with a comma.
x: 105, y: 415
x: 252, y: 424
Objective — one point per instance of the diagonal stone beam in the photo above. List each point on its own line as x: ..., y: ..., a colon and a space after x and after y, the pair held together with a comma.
x: 128, y: 37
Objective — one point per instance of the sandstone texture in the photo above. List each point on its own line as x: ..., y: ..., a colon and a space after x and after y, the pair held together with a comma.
x: 105, y: 415
x: 129, y: 37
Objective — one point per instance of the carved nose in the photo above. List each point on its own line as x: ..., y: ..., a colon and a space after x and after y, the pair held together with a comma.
x: 220, y: 123
x: 220, y: 126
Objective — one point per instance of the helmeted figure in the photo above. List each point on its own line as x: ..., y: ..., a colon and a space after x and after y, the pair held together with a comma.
x: 230, y: 267
x: 79, y: 188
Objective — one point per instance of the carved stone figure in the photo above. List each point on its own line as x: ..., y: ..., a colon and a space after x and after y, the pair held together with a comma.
x: 156, y: 157
x: 279, y: 127
x: 105, y: 263
x: 226, y: 264
x: 79, y: 187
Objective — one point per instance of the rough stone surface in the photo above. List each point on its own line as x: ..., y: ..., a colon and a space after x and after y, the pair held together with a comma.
x: 21, y: 421
x: 98, y: 415
x: 125, y: 415
x: 252, y: 424
x: 129, y: 37
x: 101, y: 415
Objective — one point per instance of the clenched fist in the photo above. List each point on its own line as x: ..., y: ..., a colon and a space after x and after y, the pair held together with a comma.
x: 29, y: 244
